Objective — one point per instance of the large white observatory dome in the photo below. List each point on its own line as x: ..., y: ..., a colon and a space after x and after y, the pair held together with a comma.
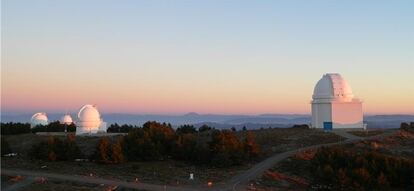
x: 89, y: 113
x: 89, y: 121
x: 332, y: 86
x: 334, y: 105
x: 38, y: 119
x: 66, y: 119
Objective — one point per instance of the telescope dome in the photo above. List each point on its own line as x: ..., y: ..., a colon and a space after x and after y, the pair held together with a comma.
x: 66, y: 119
x: 332, y: 86
x: 39, y: 119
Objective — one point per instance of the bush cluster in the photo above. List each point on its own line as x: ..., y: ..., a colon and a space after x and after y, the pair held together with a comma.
x: 159, y: 141
x: 107, y: 152
x: 340, y: 168
x: 55, y: 126
x: 115, y: 128
x: 22, y: 128
x: 407, y: 126
x: 14, y: 128
x: 55, y: 149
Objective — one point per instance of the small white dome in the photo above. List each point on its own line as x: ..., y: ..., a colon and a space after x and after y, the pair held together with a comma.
x: 39, y: 119
x: 332, y: 86
x: 66, y: 119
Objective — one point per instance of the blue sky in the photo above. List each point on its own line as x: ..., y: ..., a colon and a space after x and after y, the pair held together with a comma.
x: 204, y: 56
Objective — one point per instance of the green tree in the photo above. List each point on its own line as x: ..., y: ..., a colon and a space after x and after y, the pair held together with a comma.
x: 186, y: 129
x: 204, y: 128
x: 185, y: 146
x: 152, y: 142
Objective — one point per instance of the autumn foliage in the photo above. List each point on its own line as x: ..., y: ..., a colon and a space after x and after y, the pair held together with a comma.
x: 159, y: 141
x: 108, y: 152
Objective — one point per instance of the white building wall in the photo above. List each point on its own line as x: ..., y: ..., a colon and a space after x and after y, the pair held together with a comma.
x: 93, y: 127
x: 341, y: 114
x: 321, y: 112
x: 87, y: 127
x: 347, y: 114
x: 103, y: 127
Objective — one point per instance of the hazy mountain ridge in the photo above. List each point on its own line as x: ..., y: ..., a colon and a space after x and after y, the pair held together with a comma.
x: 223, y: 121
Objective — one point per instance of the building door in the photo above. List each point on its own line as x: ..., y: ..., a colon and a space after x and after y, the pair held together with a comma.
x: 327, y: 125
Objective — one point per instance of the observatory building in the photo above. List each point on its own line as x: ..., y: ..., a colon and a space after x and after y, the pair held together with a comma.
x: 66, y: 119
x: 89, y: 121
x: 334, y: 105
x: 38, y: 119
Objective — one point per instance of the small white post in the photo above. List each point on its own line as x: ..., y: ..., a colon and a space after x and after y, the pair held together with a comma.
x: 191, y: 176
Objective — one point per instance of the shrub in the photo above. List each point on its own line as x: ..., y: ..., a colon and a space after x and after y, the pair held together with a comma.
x: 152, y: 142
x: 343, y: 168
x: 109, y: 153
x: 159, y: 141
x: 55, y: 149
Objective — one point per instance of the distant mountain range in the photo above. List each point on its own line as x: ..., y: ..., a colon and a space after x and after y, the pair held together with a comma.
x: 223, y: 121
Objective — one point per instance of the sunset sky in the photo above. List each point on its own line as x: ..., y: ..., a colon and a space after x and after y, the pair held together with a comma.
x: 225, y: 57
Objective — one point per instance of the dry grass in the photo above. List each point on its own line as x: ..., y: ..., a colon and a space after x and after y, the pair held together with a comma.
x: 64, y: 186
x: 168, y: 172
x: 367, y: 133
x: 277, y: 140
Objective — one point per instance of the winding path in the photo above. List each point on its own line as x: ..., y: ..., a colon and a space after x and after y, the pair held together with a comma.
x: 238, y: 182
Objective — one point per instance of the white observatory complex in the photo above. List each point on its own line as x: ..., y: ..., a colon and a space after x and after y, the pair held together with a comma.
x: 39, y: 119
x: 334, y: 106
x: 66, y: 120
x: 89, y: 121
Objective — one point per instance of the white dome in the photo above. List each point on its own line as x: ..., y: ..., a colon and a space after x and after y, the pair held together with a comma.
x: 89, y: 113
x: 89, y: 120
x: 39, y: 119
x: 332, y: 86
x: 66, y: 119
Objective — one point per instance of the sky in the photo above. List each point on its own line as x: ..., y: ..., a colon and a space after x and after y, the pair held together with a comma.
x: 224, y: 57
